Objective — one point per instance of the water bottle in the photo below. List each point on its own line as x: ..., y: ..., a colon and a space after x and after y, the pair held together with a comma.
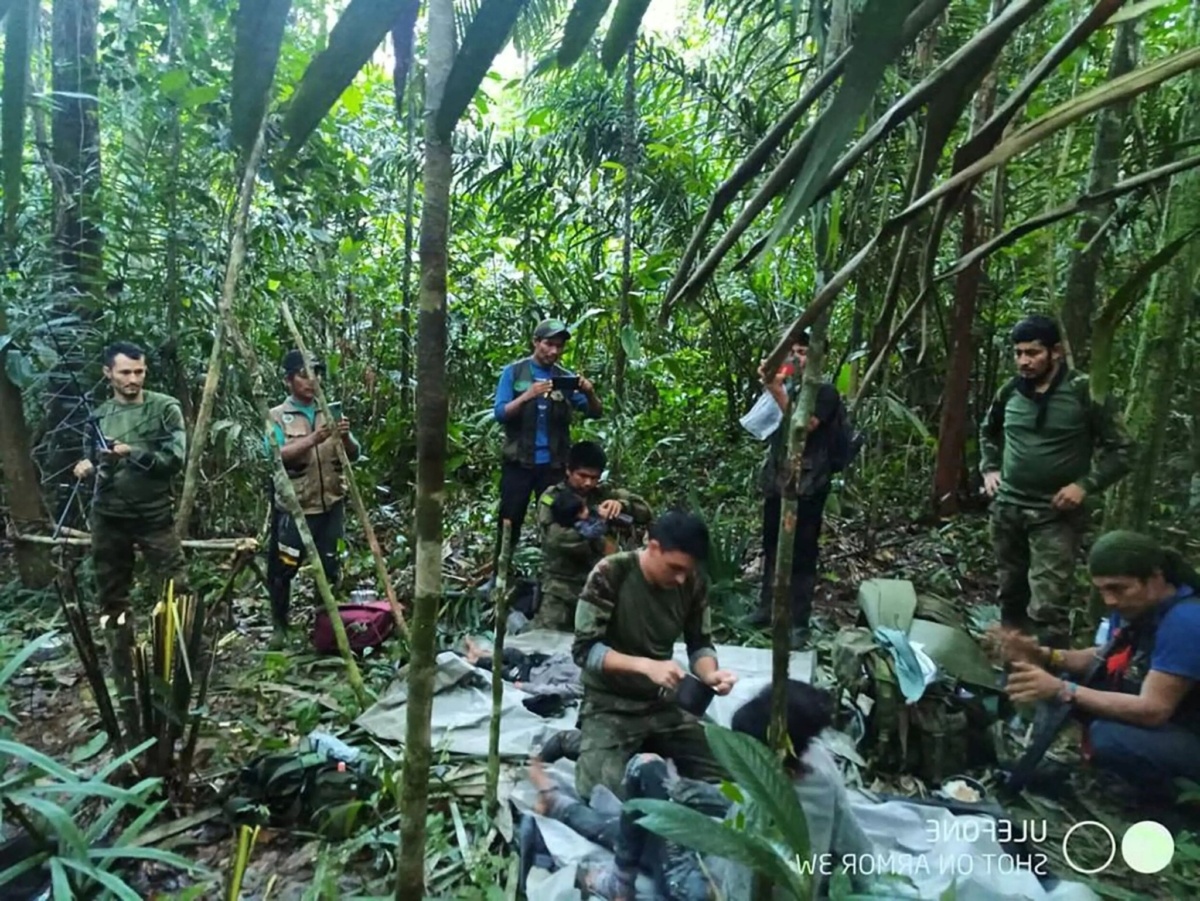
x: 331, y: 747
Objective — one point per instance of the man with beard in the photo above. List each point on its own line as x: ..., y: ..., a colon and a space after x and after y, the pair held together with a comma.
x: 1046, y: 446
x: 535, y: 401
x: 143, y: 449
x: 568, y: 551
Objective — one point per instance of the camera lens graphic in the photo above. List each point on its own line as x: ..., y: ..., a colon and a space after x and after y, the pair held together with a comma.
x: 1094, y: 825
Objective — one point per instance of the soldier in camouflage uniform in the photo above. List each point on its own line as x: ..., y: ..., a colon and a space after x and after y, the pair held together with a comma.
x: 633, y: 608
x: 568, y: 556
x: 143, y: 449
x: 1037, y: 446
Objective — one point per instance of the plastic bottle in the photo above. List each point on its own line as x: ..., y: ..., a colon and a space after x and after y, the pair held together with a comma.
x: 332, y: 747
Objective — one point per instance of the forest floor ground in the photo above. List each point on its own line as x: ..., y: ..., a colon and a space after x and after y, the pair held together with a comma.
x: 266, y: 700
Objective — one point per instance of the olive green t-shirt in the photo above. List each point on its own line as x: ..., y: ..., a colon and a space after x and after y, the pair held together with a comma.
x: 620, y: 611
x: 139, y: 486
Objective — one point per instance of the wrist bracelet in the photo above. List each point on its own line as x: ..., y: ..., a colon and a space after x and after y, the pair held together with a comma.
x: 1067, y: 693
x: 1057, y: 659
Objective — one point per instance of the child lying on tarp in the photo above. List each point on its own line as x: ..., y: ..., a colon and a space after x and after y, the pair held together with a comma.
x: 679, y: 873
x: 551, y: 680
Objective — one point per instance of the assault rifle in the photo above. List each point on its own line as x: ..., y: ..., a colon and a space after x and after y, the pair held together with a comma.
x: 1048, y: 720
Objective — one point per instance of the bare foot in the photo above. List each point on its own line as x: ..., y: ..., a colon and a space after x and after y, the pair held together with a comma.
x: 474, y: 651
x: 545, y: 786
x: 606, y: 881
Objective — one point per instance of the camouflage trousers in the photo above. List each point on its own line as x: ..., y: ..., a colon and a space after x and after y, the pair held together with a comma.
x: 114, y: 541
x: 1036, y: 553
x: 611, y: 737
x: 556, y: 609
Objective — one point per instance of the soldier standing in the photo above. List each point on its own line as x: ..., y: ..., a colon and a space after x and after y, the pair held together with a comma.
x: 144, y: 447
x: 567, y: 555
x: 1045, y: 446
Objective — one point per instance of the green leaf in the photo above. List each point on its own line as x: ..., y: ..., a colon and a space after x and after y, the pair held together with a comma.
x: 18, y: 660
x: 174, y: 82
x: 32, y: 757
x: 358, y: 32
x: 878, y: 41
x: 486, y: 36
x: 692, y: 829
x: 629, y: 341
x: 19, y: 368
x: 1136, y: 10
x: 198, y: 96
x: 60, y: 823
x: 622, y: 31
x: 760, y: 776
x: 582, y: 22
x: 60, y: 882
x: 113, y: 883
x: 259, y: 37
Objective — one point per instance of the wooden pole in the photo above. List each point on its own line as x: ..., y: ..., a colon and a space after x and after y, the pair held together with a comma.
x: 356, y: 500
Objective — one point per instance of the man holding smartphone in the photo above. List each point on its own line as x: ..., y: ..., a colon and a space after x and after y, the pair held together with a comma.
x: 535, y: 401
x: 311, y: 461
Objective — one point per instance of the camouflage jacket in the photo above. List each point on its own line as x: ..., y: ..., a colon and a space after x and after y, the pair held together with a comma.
x: 568, y: 557
x: 139, y: 486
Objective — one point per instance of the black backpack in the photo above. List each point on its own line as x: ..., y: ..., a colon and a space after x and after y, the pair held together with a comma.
x: 844, y: 441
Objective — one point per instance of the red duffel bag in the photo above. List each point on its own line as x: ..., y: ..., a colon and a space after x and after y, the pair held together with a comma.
x: 367, y: 625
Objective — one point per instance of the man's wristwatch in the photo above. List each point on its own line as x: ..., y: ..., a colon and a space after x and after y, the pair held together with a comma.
x: 1066, y: 693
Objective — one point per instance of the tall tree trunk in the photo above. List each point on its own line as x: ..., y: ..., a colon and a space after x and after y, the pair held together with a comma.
x: 1160, y: 344
x: 172, y: 289
x: 75, y: 135
x: 21, y: 484
x: 1080, y: 295
x: 75, y: 150
x: 629, y: 149
x: 432, y: 412
x: 956, y: 397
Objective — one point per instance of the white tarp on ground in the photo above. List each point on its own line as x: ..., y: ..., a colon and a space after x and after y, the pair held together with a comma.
x: 462, y: 702
x: 461, y: 714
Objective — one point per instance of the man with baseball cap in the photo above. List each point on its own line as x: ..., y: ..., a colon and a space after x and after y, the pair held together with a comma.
x: 311, y: 462
x: 535, y: 400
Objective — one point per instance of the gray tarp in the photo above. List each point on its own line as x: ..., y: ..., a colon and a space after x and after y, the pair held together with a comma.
x: 461, y: 713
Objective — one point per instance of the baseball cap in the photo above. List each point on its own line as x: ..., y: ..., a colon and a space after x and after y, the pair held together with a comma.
x: 551, y: 328
x: 293, y: 362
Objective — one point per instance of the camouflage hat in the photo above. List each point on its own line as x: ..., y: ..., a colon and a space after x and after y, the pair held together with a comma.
x: 293, y: 363
x: 551, y: 328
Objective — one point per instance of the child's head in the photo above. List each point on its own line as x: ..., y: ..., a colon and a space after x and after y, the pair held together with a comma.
x: 568, y: 508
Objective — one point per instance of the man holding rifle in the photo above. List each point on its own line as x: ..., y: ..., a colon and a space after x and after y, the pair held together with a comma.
x: 143, y: 448
x: 1140, y: 699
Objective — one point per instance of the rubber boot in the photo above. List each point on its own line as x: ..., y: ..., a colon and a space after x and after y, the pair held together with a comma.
x: 802, y: 596
x: 760, y: 617
x: 118, y: 635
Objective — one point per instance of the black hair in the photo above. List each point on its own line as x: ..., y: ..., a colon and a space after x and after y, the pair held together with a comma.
x: 679, y: 531
x: 125, y: 348
x: 1042, y: 329
x: 565, y: 509
x: 802, y: 339
x: 587, y: 455
x: 809, y: 713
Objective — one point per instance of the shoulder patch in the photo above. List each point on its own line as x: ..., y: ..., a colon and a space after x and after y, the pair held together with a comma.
x: 547, y: 499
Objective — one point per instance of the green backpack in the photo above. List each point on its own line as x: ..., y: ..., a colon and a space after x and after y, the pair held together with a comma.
x: 305, y: 789
x: 927, y: 739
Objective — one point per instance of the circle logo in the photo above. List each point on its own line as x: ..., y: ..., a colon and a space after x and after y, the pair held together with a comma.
x: 1147, y: 847
x: 1112, y: 842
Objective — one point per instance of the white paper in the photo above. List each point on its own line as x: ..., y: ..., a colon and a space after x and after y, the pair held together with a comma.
x: 764, y: 417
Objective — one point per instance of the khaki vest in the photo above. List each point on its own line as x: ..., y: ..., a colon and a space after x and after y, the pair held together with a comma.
x: 317, y: 476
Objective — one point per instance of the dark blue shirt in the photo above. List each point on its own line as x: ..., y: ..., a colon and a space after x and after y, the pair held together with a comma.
x: 505, y: 393
x: 1177, y: 640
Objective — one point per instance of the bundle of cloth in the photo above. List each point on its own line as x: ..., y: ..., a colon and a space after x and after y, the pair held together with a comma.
x: 552, y: 681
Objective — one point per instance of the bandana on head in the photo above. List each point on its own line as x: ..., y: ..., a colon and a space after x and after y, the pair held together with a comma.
x: 1124, y: 553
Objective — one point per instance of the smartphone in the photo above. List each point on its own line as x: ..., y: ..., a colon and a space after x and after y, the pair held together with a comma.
x: 566, y: 383
x: 335, y: 410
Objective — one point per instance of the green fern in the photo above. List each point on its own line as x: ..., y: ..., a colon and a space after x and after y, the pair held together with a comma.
x: 622, y: 31
x: 582, y: 22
